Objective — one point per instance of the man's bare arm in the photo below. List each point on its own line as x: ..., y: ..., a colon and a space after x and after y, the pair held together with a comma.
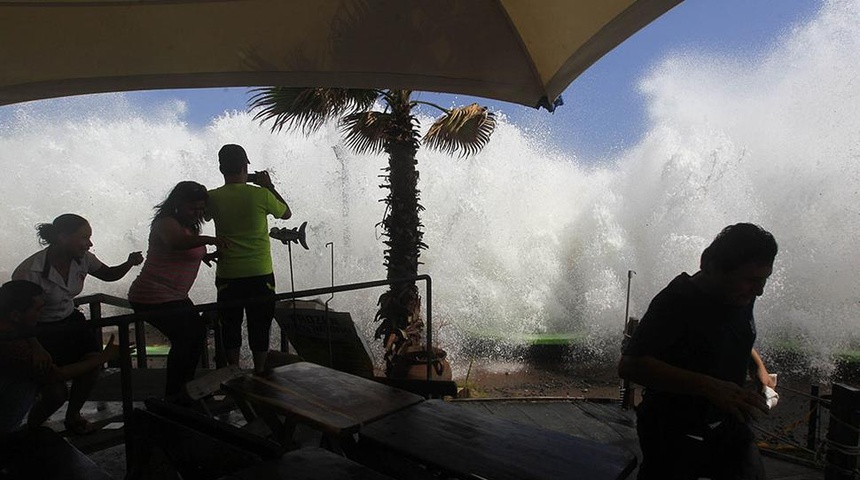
x: 659, y: 375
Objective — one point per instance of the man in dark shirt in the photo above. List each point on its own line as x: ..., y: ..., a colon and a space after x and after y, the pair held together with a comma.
x: 692, y: 352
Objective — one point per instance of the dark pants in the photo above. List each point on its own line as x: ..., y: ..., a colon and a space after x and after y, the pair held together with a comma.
x: 259, y: 313
x: 727, y: 452
x: 186, y: 332
x: 69, y: 347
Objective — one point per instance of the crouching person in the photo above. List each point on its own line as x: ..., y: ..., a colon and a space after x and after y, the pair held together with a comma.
x: 36, y: 452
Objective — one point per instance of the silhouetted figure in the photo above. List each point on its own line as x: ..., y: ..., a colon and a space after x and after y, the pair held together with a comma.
x: 34, y: 452
x: 60, y: 269
x: 692, y: 351
x: 173, y: 258
x: 245, y: 269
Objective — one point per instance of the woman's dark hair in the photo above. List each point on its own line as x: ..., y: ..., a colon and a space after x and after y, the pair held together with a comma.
x: 66, y: 223
x: 739, y: 245
x: 17, y: 296
x: 182, y: 193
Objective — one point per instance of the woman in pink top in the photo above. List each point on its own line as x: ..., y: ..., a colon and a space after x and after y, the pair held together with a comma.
x: 176, y: 249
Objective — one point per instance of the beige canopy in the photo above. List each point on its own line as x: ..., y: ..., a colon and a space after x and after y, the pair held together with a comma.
x: 522, y: 51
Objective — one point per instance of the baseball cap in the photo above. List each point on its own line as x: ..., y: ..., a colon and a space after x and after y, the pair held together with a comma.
x: 232, y: 156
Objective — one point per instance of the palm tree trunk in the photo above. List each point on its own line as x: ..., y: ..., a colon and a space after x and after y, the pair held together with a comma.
x: 402, y: 227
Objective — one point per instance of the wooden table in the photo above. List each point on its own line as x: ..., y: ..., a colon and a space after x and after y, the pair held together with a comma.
x: 308, y: 464
x: 469, y: 444
x: 331, y: 401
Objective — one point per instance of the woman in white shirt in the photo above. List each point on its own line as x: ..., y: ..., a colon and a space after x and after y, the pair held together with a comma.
x: 60, y: 269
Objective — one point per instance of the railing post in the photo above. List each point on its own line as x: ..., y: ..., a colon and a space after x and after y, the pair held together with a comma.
x: 127, y: 392
x: 842, y: 434
x: 140, y: 343
x: 628, y: 391
x: 429, y: 310
x: 812, y: 430
x: 96, y: 315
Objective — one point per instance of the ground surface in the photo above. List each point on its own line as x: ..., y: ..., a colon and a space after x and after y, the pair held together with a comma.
x: 786, y: 425
x: 784, y: 429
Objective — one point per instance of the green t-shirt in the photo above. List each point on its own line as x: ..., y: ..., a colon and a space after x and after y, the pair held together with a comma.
x: 239, y: 211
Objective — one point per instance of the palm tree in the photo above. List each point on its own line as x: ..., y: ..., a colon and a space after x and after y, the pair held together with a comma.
x: 394, y: 130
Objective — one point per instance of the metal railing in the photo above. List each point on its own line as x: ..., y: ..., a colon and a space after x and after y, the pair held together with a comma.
x: 122, y: 323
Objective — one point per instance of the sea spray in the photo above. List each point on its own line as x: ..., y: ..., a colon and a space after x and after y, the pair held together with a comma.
x: 522, y: 239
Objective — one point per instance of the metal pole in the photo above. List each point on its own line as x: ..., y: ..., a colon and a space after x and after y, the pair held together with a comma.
x: 327, y: 319
x: 630, y: 274
x: 626, y: 389
x: 812, y: 430
x: 429, y: 310
x: 293, y: 290
x: 292, y: 282
x: 127, y: 392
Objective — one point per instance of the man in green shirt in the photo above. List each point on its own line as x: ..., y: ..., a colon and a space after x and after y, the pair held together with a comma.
x: 245, y: 268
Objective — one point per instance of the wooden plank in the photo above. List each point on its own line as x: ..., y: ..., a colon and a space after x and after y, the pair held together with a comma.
x: 465, y: 442
x: 335, y: 402
x: 571, y: 420
x: 216, y: 429
x: 210, y: 382
x: 191, y: 452
x: 571, y: 417
x: 508, y: 410
x: 309, y: 464
x: 602, y: 422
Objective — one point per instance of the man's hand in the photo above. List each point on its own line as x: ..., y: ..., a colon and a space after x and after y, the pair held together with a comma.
x: 263, y: 179
x: 135, y: 258
x: 765, y: 379
x: 739, y: 402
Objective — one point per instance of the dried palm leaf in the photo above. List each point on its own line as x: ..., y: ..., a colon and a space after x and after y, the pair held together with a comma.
x: 365, y: 131
x: 466, y: 130
x: 307, y: 108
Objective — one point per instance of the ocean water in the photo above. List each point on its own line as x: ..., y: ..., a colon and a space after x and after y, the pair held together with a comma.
x: 523, y: 238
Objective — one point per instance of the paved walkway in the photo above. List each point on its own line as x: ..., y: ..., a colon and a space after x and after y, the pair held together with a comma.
x: 607, y: 423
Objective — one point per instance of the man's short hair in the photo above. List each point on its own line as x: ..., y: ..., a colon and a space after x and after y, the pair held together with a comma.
x: 738, y: 245
x: 18, y: 296
x: 231, y: 159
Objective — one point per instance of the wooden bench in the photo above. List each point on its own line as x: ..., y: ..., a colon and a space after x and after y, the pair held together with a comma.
x: 202, y: 387
x: 222, y: 431
x: 308, y: 464
x: 445, y: 439
x: 202, y: 448
x: 43, y: 454
x: 194, y: 447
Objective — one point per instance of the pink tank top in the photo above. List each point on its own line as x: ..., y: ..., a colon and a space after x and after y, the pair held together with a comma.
x: 166, y: 276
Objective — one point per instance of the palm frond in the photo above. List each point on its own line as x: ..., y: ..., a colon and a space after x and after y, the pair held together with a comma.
x: 466, y: 129
x: 307, y: 108
x: 365, y: 131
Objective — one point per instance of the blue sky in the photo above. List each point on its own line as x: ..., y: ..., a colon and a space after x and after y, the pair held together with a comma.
x: 603, y: 112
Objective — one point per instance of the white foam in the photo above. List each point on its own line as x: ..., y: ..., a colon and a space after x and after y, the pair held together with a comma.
x: 521, y: 239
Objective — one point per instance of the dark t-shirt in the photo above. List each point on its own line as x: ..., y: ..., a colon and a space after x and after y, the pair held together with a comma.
x: 689, y: 329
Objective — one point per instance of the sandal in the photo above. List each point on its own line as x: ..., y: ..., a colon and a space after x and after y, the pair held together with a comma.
x: 80, y: 427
